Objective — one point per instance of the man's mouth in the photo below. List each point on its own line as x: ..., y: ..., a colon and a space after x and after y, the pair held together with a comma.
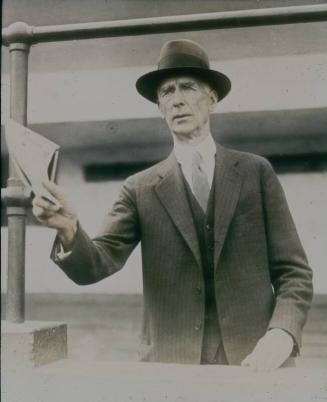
x: 181, y: 116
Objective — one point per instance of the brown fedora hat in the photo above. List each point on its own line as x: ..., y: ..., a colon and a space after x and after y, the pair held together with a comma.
x: 182, y: 57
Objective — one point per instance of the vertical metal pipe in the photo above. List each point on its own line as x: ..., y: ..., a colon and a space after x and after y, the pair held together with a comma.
x: 15, y: 303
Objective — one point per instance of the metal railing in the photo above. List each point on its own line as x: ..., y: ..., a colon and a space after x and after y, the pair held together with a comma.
x: 19, y: 36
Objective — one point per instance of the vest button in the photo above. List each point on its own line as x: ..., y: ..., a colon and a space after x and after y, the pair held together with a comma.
x: 208, y: 227
x: 198, y: 290
x: 198, y: 327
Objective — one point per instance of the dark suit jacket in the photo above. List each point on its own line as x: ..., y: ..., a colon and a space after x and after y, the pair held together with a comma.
x: 262, y: 278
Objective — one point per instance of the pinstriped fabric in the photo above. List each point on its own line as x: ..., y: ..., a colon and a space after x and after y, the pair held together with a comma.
x: 256, y: 247
x: 204, y: 224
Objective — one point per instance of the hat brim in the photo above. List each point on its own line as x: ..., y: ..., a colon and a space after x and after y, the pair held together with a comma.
x: 147, y: 84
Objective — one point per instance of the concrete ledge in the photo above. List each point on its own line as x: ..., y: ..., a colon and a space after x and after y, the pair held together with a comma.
x: 32, y: 343
x: 69, y: 380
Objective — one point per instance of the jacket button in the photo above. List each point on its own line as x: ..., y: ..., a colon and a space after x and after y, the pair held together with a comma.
x: 198, y: 327
x: 208, y: 227
x: 198, y: 290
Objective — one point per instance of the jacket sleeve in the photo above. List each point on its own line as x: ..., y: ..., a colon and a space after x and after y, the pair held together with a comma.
x: 290, y: 273
x: 92, y: 260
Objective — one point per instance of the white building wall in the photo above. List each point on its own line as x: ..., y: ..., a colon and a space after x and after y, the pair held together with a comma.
x: 258, y: 84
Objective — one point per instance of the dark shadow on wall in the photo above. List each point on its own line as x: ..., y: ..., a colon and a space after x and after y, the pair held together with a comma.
x: 281, y: 164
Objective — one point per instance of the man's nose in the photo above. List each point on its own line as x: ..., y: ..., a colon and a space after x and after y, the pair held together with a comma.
x: 178, y: 98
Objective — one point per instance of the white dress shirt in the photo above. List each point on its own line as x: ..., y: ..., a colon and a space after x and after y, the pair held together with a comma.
x: 184, y: 152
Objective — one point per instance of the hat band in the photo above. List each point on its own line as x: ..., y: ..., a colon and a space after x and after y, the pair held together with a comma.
x: 181, y: 60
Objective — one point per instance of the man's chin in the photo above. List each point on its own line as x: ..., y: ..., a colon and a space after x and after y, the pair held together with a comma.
x: 183, y: 132
x: 183, y: 135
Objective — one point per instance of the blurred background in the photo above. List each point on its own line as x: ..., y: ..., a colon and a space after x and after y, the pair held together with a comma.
x: 82, y: 96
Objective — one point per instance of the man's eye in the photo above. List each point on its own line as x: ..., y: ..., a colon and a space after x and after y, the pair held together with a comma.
x: 189, y: 86
x: 165, y: 92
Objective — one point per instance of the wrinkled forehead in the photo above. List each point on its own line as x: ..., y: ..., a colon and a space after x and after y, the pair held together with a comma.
x: 181, y: 79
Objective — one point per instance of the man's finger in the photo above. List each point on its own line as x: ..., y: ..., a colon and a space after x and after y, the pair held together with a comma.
x: 272, y: 360
x: 37, y: 211
x: 41, y: 213
x: 275, y: 361
x: 47, y: 205
x: 53, y: 189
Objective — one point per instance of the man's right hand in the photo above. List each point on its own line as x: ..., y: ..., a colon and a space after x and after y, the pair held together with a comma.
x: 62, y: 217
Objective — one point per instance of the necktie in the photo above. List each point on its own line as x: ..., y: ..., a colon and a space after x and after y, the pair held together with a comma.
x: 201, y: 187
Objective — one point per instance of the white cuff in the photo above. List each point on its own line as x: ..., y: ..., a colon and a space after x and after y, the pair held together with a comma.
x: 61, y: 254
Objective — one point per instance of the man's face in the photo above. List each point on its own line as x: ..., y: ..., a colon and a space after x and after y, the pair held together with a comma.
x: 186, y: 103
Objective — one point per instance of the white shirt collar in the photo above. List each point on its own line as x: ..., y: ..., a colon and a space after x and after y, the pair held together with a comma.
x: 183, y: 152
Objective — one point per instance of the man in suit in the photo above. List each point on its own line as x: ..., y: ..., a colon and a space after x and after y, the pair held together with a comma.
x: 225, y: 278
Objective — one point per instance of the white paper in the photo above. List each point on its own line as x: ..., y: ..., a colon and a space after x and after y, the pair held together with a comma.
x: 34, y: 157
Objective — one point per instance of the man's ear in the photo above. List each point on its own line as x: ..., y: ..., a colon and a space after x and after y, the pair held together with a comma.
x: 213, y: 99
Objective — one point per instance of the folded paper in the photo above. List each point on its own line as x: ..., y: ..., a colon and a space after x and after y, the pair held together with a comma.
x: 34, y: 157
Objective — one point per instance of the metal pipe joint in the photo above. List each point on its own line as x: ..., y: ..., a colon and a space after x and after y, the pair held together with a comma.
x: 15, y: 198
x: 17, y: 32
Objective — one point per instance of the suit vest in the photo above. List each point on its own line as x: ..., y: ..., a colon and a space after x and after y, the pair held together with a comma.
x: 204, y: 223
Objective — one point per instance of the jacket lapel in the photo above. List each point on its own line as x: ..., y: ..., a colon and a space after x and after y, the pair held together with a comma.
x: 172, y: 194
x: 228, y: 183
